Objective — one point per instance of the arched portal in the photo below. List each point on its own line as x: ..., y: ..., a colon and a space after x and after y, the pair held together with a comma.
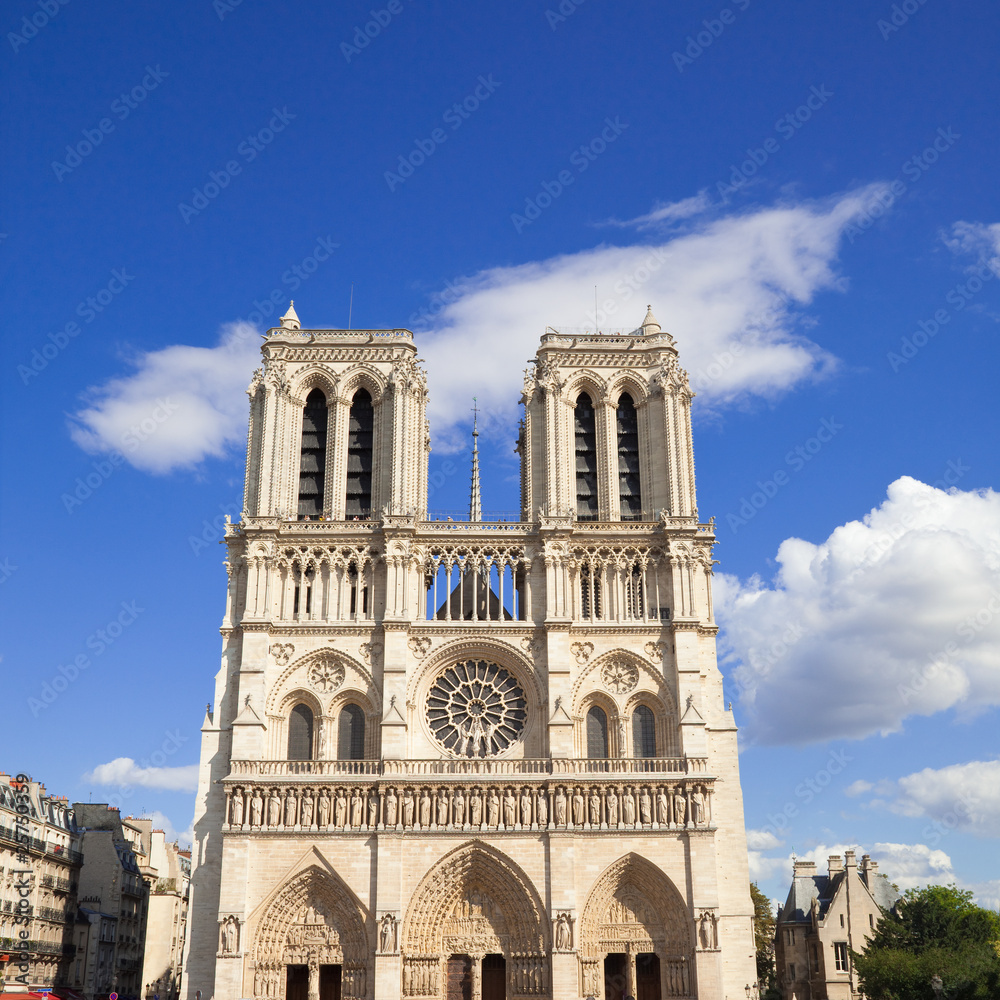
x: 475, y: 904
x: 310, y: 931
x: 636, y: 921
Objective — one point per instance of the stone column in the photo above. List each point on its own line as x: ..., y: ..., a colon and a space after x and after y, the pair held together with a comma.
x: 313, y: 979
x: 629, y: 970
x: 477, y: 976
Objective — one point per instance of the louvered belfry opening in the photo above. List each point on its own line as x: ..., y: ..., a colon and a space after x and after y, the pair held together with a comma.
x: 351, y: 733
x: 360, y: 437
x: 585, y: 428
x: 312, y: 463
x: 597, y: 733
x: 629, y: 488
x: 300, y: 733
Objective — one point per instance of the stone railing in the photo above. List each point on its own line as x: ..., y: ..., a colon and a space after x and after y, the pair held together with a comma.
x: 491, y: 806
x: 470, y: 768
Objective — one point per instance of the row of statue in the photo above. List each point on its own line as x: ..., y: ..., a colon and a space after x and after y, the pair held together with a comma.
x: 455, y: 807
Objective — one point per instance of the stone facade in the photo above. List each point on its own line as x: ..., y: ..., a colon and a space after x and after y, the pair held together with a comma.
x: 825, y: 918
x: 468, y: 759
x: 162, y: 966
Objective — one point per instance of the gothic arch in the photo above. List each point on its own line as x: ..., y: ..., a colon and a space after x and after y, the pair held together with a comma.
x: 647, y: 678
x: 361, y: 681
x: 590, y: 383
x: 627, y: 382
x: 362, y: 376
x: 317, y: 377
x: 476, y: 900
x: 633, y: 901
x: 312, y: 918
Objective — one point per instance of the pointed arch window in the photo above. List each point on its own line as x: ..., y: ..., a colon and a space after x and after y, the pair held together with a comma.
x: 629, y: 487
x: 585, y: 437
x: 643, y: 732
x: 360, y: 435
x: 597, y: 733
x: 300, y: 733
x: 312, y: 460
x: 351, y: 733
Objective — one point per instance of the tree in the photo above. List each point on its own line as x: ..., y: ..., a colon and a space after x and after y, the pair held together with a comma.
x: 933, y: 931
x: 763, y: 933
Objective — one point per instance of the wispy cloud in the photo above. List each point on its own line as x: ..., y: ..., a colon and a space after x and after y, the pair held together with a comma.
x: 666, y: 213
x: 125, y: 771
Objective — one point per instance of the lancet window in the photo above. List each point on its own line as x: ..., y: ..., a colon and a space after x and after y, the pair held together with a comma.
x: 351, y: 733
x: 312, y: 459
x: 643, y: 732
x: 629, y: 487
x: 585, y: 436
x: 360, y: 437
x: 300, y: 733
x: 597, y: 733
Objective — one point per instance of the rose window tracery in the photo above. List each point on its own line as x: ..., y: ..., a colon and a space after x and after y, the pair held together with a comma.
x: 326, y: 675
x: 476, y: 709
x: 619, y: 676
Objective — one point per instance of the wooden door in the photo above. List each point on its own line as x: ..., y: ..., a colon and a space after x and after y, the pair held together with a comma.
x: 297, y: 982
x: 494, y: 978
x: 458, y: 979
x: 647, y: 976
x: 329, y: 982
x: 615, y: 981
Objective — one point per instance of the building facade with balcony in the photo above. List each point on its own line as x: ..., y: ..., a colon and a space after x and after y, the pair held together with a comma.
x: 39, y: 873
x: 471, y: 759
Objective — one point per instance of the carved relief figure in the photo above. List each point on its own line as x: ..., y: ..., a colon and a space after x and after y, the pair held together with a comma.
x: 564, y: 933
x: 356, y: 808
x: 509, y: 809
x: 612, y: 805
x: 442, y: 808
x: 340, y: 816
x: 578, y: 805
x: 662, y: 807
x: 230, y: 936
x: 494, y: 809
x: 257, y: 808
x: 645, y: 807
x: 391, y: 803
x: 387, y: 934
x: 273, y: 808
x: 372, y: 811
x: 324, y: 809
x: 680, y: 806
x: 307, y: 810
x: 290, y: 808
x: 628, y: 807
x: 425, y: 809
x: 542, y: 809
x: 595, y: 808
x: 560, y: 807
x: 476, y: 808
x: 237, y: 818
x: 697, y: 806
x: 525, y: 807
x: 408, y: 808
x: 458, y: 809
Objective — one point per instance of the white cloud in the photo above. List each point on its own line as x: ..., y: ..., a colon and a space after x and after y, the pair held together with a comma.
x: 125, y: 771
x: 161, y: 821
x: 963, y: 797
x: 894, y: 615
x: 858, y: 787
x: 670, y: 212
x: 762, y: 840
x: 730, y: 289
x: 977, y: 238
x: 181, y: 405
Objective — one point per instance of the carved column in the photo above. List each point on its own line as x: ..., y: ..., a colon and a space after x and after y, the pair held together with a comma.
x: 313, y: 979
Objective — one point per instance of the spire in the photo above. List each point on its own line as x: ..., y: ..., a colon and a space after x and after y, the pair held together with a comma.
x: 475, y: 500
x: 290, y: 321
x: 650, y: 324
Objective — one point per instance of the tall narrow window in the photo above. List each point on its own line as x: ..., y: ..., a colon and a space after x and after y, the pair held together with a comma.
x: 597, y: 733
x: 585, y: 431
x: 629, y: 490
x: 351, y: 734
x: 300, y: 733
x: 312, y: 463
x: 360, y: 434
x: 643, y: 732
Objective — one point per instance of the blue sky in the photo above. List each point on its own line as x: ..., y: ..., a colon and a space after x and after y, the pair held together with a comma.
x: 806, y: 195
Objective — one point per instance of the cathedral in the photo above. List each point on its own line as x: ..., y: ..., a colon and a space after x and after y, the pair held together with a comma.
x: 469, y: 759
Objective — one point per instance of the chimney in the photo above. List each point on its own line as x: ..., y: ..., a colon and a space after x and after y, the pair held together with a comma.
x: 850, y: 859
x: 805, y: 869
x: 834, y: 865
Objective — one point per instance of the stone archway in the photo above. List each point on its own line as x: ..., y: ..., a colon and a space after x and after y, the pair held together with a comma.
x: 475, y: 902
x: 633, y: 910
x: 312, y: 921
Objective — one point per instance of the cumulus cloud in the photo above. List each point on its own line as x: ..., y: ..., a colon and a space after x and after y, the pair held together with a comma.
x: 895, y: 615
x: 977, y: 238
x: 963, y: 797
x: 730, y: 289
x: 161, y: 821
x: 179, y: 406
x: 125, y: 771
x: 762, y: 840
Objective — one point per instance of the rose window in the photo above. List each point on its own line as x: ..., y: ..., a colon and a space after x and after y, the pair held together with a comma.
x: 619, y: 676
x: 326, y: 675
x: 476, y: 709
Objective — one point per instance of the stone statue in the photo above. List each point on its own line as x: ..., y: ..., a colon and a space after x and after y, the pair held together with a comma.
x: 509, y: 809
x: 307, y: 810
x: 290, y: 808
x: 230, y: 936
x: 494, y: 809
x: 697, y: 806
x: 705, y: 931
x: 680, y: 806
x: 578, y: 816
x: 612, y: 804
x: 476, y: 808
x: 425, y: 809
x: 273, y: 808
x: 542, y: 809
x: 662, y: 807
x: 237, y: 808
x: 340, y: 810
x: 628, y: 807
x: 645, y: 808
x: 387, y: 934
x: 595, y: 808
x: 390, y: 811
x: 442, y: 808
x: 564, y: 933
x: 357, y: 807
x: 257, y: 808
x: 408, y: 808
x: 458, y: 809
x: 324, y: 809
x: 560, y: 807
x: 525, y: 807
x: 372, y: 811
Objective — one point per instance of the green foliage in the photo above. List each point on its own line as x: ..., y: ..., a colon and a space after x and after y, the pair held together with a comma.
x: 936, y: 930
x: 763, y: 932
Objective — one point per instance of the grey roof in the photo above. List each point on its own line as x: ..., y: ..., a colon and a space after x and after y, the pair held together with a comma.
x: 823, y: 888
